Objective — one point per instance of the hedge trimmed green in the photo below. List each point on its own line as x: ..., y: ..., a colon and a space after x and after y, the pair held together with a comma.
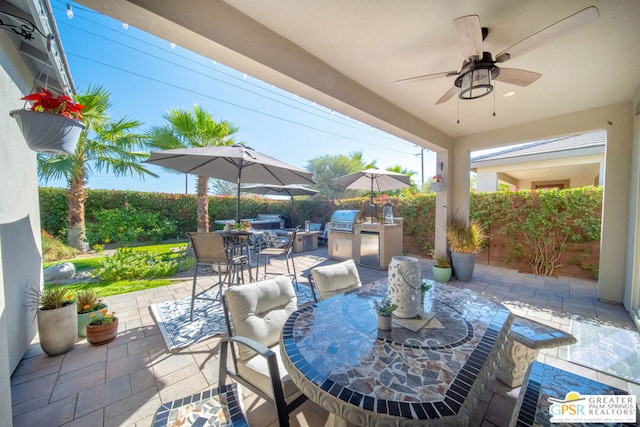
x: 538, y: 224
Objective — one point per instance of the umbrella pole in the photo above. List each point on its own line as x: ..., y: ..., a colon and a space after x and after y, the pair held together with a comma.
x: 238, y: 196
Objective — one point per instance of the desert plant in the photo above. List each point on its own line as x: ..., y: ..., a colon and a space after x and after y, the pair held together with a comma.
x: 50, y: 298
x: 87, y: 301
x: 385, y: 307
x: 441, y: 259
x: 463, y: 238
x: 53, y: 249
x: 126, y: 264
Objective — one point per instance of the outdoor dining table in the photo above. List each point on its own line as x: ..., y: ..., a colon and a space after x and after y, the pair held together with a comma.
x: 237, y: 244
x: 427, y: 371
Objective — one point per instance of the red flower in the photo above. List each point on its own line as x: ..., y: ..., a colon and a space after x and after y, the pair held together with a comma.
x: 61, y: 104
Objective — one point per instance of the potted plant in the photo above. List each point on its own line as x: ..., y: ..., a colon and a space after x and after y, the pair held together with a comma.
x: 102, y: 328
x: 385, y: 309
x: 57, y: 319
x: 465, y: 241
x: 442, y: 268
x: 437, y: 183
x: 87, y: 302
x: 52, y: 125
x: 425, y: 287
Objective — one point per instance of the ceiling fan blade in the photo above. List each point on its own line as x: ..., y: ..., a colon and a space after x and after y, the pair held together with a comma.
x: 469, y: 35
x: 551, y: 33
x: 425, y: 77
x: 517, y: 77
x: 448, y: 95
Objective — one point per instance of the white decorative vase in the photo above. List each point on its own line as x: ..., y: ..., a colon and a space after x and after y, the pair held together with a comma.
x: 405, y: 278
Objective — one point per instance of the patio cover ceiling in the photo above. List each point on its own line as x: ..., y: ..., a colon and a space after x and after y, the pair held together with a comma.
x: 347, y: 54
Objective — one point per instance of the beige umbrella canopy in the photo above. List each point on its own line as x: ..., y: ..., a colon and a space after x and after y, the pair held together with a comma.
x: 235, y: 163
x: 374, y: 180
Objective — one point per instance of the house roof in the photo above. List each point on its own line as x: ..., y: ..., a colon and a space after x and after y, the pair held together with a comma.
x: 32, y: 29
x: 566, y: 146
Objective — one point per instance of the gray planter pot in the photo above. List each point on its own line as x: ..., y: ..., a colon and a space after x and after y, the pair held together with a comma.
x: 58, y: 329
x: 463, y: 265
x: 442, y: 274
x: 384, y: 323
x: 47, y: 132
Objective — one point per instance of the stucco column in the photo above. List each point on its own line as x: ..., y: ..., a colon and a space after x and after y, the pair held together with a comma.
x: 460, y: 165
x: 442, y: 197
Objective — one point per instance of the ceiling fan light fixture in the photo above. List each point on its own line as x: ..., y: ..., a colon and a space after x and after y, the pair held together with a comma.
x: 475, y: 78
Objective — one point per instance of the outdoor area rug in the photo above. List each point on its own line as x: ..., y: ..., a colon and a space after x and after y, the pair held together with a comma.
x: 606, y: 348
x: 179, y: 332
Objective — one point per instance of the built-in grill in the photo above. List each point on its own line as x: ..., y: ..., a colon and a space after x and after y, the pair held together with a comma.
x: 343, y: 220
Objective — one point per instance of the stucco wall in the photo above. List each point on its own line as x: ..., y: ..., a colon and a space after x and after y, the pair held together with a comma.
x: 617, y: 121
x: 20, y: 247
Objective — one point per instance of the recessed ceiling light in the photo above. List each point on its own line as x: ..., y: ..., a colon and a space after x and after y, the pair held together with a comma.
x: 508, y: 94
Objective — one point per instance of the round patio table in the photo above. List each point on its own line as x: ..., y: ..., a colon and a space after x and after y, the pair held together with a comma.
x: 430, y: 370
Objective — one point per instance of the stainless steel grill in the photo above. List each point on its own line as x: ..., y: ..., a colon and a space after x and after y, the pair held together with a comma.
x: 343, y: 220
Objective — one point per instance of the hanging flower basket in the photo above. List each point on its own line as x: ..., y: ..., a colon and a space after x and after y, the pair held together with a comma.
x: 438, y: 186
x: 52, y: 125
x: 47, y: 132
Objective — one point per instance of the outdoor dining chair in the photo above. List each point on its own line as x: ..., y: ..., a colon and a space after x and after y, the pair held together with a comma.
x: 255, y: 314
x: 333, y: 279
x: 210, y: 250
x: 285, y: 249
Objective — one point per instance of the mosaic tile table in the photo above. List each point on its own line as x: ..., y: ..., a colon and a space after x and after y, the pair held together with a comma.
x: 427, y: 372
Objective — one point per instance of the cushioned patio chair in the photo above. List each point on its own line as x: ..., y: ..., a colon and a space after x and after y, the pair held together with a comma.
x: 255, y: 314
x: 330, y: 280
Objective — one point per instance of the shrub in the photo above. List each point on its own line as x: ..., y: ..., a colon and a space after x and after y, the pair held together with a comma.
x: 127, y: 264
x: 130, y: 225
x: 53, y: 249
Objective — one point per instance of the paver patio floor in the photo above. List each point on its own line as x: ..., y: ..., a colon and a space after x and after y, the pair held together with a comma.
x: 124, y: 382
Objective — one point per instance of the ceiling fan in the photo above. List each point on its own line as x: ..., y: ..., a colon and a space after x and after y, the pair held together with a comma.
x: 479, y: 68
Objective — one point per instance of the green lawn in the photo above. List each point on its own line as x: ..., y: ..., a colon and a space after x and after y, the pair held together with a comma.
x: 105, y: 288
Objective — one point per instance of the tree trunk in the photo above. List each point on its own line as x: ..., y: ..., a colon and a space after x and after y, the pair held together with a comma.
x: 76, y: 197
x: 203, y: 204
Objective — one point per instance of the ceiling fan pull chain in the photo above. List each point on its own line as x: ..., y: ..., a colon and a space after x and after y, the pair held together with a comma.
x: 458, y: 122
x: 494, y: 102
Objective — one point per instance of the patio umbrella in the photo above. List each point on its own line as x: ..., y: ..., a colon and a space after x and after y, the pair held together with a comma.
x: 374, y: 180
x: 280, y: 190
x: 235, y: 163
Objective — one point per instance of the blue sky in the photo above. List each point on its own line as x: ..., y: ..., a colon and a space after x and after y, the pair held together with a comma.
x: 148, y: 76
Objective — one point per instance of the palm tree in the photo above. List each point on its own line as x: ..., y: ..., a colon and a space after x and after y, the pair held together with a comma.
x: 188, y: 129
x: 404, y: 171
x: 326, y: 168
x: 104, y: 145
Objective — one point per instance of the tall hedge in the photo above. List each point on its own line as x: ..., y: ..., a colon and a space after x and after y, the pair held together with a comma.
x: 537, y: 231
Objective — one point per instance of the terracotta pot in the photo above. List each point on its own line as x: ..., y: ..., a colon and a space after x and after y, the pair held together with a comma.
x: 58, y: 329
x: 84, y: 319
x: 47, y: 132
x: 102, y: 334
